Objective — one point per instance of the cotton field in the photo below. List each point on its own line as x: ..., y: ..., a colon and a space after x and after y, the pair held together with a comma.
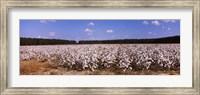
x: 124, y: 57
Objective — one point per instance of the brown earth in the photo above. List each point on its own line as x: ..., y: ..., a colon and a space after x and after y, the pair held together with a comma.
x: 33, y: 67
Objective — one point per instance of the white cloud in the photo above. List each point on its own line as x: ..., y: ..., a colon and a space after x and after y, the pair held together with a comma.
x: 145, y: 22
x: 125, y: 35
x: 41, y: 37
x: 109, y: 31
x: 91, y: 24
x: 38, y: 36
x: 149, y: 32
x: 52, y: 33
x: 89, y: 31
x: 47, y: 21
x: 167, y: 21
x: 168, y: 28
x: 157, y: 23
x: 173, y: 20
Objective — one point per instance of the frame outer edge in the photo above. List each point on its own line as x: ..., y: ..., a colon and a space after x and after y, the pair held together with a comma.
x: 99, y: 3
x: 1, y: 72
x: 198, y: 41
x: 3, y: 46
x: 0, y: 49
x: 196, y: 49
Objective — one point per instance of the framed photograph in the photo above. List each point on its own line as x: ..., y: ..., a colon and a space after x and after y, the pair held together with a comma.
x: 100, y: 47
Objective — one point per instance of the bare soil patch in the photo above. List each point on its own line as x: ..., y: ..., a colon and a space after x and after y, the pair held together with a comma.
x: 33, y: 67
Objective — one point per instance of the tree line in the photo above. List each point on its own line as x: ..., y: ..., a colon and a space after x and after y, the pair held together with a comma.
x: 40, y: 41
x: 174, y: 39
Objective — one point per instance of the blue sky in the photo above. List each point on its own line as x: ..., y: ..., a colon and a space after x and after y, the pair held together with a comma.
x: 99, y: 29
